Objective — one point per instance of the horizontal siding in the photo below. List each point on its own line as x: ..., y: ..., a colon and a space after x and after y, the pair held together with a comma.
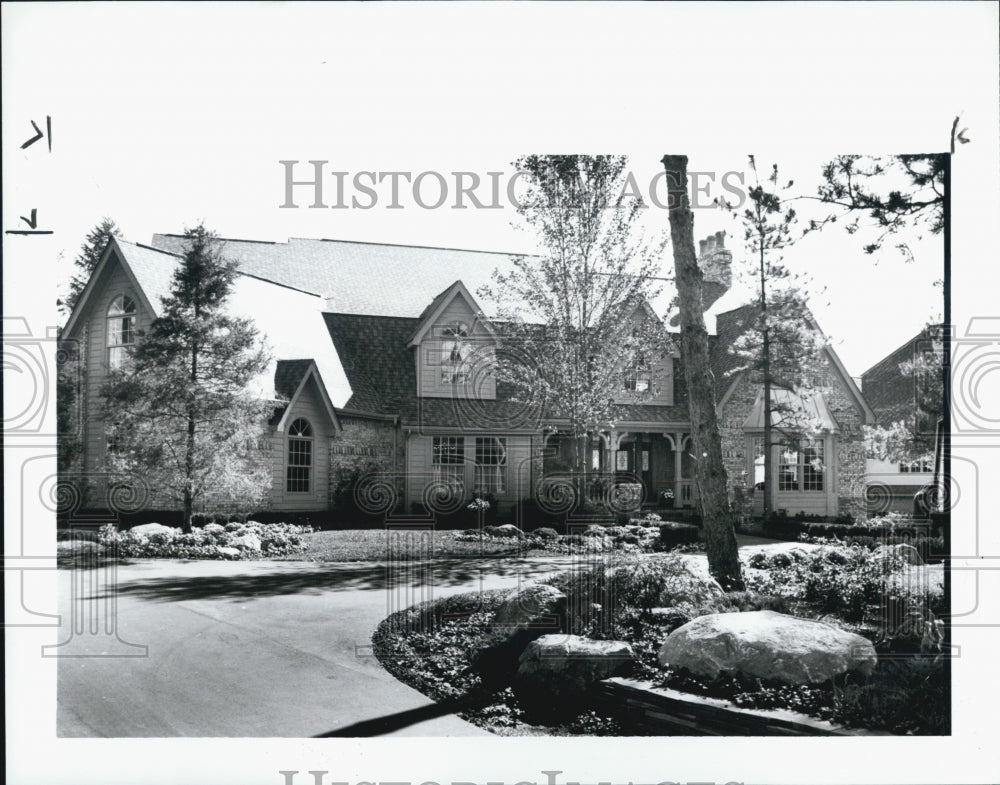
x: 420, y: 469
x: 309, y: 405
x: 430, y: 350
x: 94, y: 332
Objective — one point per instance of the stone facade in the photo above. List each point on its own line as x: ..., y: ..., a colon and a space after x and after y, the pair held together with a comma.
x: 845, y: 468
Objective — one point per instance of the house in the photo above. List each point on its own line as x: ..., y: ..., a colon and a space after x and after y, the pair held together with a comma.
x: 896, y: 395
x: 384, y: 392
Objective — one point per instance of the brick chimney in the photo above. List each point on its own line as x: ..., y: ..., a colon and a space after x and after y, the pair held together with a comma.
x: 716, y: 264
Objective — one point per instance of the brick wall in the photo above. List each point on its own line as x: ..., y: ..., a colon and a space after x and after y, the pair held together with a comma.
x: 364, y: 445
x: 849, y: 461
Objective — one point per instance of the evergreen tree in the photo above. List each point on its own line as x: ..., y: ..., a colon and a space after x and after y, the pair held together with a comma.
x: 181, y: 412
x: 87, y: 259
x: 781, y: 342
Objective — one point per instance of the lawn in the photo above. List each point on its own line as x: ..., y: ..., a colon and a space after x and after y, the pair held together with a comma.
x: 374, y: 545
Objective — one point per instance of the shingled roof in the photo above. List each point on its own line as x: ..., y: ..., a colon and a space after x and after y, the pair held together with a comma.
x: 891, y: 394
x: 356, y: 277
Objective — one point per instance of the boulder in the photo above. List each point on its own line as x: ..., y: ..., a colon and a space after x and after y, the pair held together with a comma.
x: 507, y: 530
x: 766, y: 645
x: 907, y: 553
x: 566, y: 665
x: 246, y: 542
x: 232, y: 553
x: 149, y: 529
x: 538, y: 605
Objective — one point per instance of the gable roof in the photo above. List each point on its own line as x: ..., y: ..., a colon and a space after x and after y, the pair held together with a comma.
x: 290, y: 379
x: 892, y: 395
x: 430, y: 315
x: 290, y: 321
x: 733, y: 323
x: 408, y: 277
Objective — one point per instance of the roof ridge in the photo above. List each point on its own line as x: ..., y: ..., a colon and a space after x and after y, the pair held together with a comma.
x: 370, y: 315
x: 151, y: 248
x: 409, y: 245
x: 225, y: 239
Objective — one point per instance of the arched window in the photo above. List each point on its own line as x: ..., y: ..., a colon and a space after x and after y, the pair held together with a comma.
x: 121, y: 330
x: 300, y: 456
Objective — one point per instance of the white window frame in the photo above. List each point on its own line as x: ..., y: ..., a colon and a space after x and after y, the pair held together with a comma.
x: 491, y: 476
x: 120, y: 330
x: 300, y: 457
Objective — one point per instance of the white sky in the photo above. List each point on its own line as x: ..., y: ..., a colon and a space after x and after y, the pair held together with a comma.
x: 164, y: 115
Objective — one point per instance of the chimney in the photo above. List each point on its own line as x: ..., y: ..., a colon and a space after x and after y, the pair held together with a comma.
x: 716, y: 264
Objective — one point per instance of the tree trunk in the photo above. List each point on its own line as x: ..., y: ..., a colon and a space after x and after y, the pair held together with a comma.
x: 766, y: 368
x: 720, y: 539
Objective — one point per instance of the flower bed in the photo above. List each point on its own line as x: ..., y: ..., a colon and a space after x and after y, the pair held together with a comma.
x: 232, y: 541
x: 641, y: 599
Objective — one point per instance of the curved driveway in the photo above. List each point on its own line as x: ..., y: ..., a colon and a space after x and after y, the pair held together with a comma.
x: 251, y: 649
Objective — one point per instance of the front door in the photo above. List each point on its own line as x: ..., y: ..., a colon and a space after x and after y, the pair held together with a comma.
x: 636, y: 461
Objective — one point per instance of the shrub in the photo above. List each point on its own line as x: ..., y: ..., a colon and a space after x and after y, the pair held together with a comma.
x: 546, y: 533
x: 674, y: 534
x: 213, y: 541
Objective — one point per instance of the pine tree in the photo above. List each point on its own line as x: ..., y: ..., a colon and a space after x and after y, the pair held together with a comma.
x: 87, y: 259
x: 181, y: 412
x: 781, y: 342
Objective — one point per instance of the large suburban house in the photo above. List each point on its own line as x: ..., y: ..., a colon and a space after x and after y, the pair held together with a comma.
x: 378, y: 381
x: 896, y: 396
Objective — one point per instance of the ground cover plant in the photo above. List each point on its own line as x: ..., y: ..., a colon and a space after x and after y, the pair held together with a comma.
x: 640, y: 599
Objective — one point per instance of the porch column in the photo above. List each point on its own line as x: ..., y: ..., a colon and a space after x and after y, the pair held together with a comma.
x: 678, y: 454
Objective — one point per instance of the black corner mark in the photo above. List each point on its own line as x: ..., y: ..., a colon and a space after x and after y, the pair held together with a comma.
x: 39, y: 133
x: 32, y: 222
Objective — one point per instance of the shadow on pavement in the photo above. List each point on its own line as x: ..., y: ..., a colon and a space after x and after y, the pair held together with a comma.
x: 316, y: 579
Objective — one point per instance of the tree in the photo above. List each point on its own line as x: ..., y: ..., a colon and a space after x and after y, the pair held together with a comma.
x: 914, y: 437
x: 68, y: 392
x: 180, y: 410
x: 782, y: 342
x: 713, y: 491
x: 890, y: 192
x: 87, y: 259
x: 595, y: 269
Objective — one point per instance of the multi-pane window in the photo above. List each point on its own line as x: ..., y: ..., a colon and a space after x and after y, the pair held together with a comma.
x: 924, y: 464
x: 491, y: 464
x: 454, y: 354
x: 121, y: 330
x: 448, y: 460
x: 801, y: 467
x: 788, y: 468
x: 300, y: 456
x: 639, y: 378
x: 812, y: 466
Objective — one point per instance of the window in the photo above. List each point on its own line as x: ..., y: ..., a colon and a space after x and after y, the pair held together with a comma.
x: 801, y: 467
x: 448, y: 460
x: 491, y: 464
x: 757, y: 461
x: 454, y: 353
x: 924, y: 464
x: 300, y: 456
x: 812, y: 467
x: 639, y: 379
x: 121, y: 330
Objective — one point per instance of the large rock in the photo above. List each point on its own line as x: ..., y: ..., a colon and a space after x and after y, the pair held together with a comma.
x: 149, y: 529
x: 766, y: 645
x: 566, y: 665
x: 538, y: 605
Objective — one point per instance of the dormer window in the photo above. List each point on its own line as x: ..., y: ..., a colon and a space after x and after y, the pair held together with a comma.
x: 639, y: 378
x: 455, y: 353
x: 121, y: 330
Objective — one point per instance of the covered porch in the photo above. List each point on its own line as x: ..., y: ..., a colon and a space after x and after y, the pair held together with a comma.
x: 660, y: 461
